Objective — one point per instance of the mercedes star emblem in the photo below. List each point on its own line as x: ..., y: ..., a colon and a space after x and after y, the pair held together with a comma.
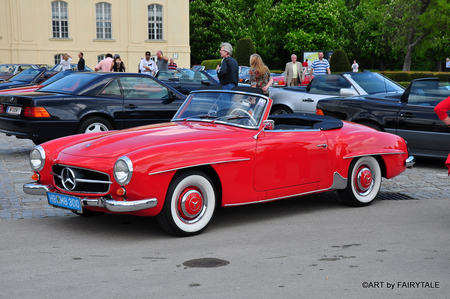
x: 68, y: 179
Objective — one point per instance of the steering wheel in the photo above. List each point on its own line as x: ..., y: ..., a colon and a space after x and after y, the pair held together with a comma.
x: 237, y: 110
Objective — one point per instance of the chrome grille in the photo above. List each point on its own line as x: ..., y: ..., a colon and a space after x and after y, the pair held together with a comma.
x: 80, y: 180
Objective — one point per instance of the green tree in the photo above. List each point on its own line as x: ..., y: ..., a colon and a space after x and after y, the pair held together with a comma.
x: 339, y: 61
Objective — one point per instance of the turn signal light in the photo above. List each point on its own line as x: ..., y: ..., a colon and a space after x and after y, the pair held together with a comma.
x: 121, y: 191
x: 319, y: 112
x: 35, y: 177
x: 35, y: 112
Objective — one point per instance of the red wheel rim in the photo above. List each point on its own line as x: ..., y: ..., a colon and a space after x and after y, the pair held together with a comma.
x: 363, y: 180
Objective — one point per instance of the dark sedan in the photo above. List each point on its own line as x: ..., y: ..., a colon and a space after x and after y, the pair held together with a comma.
x: 27, y: 77
x: 88, y: 102
x: 185, y: 80
x: 410, y: 115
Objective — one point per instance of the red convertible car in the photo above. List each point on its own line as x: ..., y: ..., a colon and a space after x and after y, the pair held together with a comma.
x: 221, y: 149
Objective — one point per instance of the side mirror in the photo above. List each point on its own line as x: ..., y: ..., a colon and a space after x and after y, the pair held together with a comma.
x: 206, y: 82
x: 348, y: 92
x: 269, y: 124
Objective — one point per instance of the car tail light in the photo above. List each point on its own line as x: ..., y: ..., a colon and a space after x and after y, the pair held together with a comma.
x: 35, y: 112
x: 1, y: 109
x: 319, y: 112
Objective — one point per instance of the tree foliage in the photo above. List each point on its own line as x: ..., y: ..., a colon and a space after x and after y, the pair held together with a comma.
x: 385, y: 33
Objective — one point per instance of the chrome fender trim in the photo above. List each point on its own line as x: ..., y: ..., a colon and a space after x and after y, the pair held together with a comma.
x: 410, y: 161
x: 36, y: 189
x: 339, y: 182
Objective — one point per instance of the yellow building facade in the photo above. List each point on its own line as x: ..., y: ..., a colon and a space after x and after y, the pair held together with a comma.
x: 40, y: 31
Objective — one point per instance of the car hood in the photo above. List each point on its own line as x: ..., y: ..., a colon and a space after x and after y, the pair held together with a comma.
x: 115, y: 144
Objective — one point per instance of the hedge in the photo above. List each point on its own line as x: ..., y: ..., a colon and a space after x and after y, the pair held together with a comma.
x: 211, y: 64
x: 409, y: 76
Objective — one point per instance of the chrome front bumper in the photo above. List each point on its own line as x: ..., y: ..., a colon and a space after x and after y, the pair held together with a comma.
x: 409, y: 162
x: 109, y: 204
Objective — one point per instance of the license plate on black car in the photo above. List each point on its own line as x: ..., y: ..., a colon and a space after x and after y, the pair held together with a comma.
x: 13, y: 110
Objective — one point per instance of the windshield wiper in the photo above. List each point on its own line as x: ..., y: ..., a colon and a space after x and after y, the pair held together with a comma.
x: 200, y: 116
x: 238, y: 117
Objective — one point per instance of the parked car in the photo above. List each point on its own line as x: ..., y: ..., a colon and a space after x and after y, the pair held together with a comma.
x: 39, y: 85
x: 186, y: 80
x: 244, y: 75
x: 57, y: 68
x: 88, y: 102
x: 25, y: 78
x: 9, y: 70
x: 410, y: 115
x: 278, y: 80
x: 301, y: 99
x: 220, y: 149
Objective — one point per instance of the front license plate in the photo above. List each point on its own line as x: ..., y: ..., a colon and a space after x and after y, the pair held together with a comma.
x: 13, y: 110
x: 64, y: 201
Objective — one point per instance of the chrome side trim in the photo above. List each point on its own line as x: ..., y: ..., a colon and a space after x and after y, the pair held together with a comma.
x: 36, y: 189
x: 195, y: 165
x: 339, y: 182
x: 410, y: 161
x: 373, y: 154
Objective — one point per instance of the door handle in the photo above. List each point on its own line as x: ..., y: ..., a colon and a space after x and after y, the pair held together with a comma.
x: 324, y: 145
x: 131, y: 106
x: 308, y: 100
x: 407, y: 114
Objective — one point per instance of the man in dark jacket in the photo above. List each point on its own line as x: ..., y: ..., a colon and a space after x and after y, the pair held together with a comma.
x: 81, y: 62
x: 228, y: 71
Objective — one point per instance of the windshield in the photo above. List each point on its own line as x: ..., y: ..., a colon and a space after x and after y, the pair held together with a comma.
x: 57, y: 76
x: 374, y: 83
x: 69, y: 84
x: 27, y: 75
x: 232, y: 108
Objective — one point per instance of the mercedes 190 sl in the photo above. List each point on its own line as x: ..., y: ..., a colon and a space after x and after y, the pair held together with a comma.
x: 221, y: 149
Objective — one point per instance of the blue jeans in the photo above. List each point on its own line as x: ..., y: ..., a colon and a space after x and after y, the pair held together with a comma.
x: 227, y: 96
x: 229, y: 86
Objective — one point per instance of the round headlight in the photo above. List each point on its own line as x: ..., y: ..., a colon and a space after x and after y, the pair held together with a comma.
x: 123, y: 170
x: 37, y: 158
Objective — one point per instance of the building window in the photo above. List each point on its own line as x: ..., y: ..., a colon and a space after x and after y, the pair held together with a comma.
x: 103, y: 19
x: 60, y: 23
x: 101, y: 57
x: 155, y: 22
x: 58, y: 58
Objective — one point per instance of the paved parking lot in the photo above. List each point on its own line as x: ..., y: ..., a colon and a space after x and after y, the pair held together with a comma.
x: 427, y: 180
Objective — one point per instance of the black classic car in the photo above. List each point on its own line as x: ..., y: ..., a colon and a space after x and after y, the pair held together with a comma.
x: 410, y: 115
x: 88, y: 102
x: 185, y: 80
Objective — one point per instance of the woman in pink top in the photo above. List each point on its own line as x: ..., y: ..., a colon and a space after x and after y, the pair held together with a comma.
x: 441, y: 110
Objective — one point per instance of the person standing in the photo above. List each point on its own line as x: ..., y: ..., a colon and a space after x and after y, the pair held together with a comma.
x: 320, y: 66
x: 172, y: 65
x: 81, y: 65
x: 161, y: 61
x: 259, y: 74
x: 355, y: 66
x: 447, y: 65
x: 105, y: 64
x: 228, y: 70
x: 293, y: 72
x: 305, y: 66
x: 147, y: 65
x: 117, y: 64
x: 65, y: 62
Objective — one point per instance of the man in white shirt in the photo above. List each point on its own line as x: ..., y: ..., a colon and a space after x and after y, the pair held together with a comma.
x: 147, y: 65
